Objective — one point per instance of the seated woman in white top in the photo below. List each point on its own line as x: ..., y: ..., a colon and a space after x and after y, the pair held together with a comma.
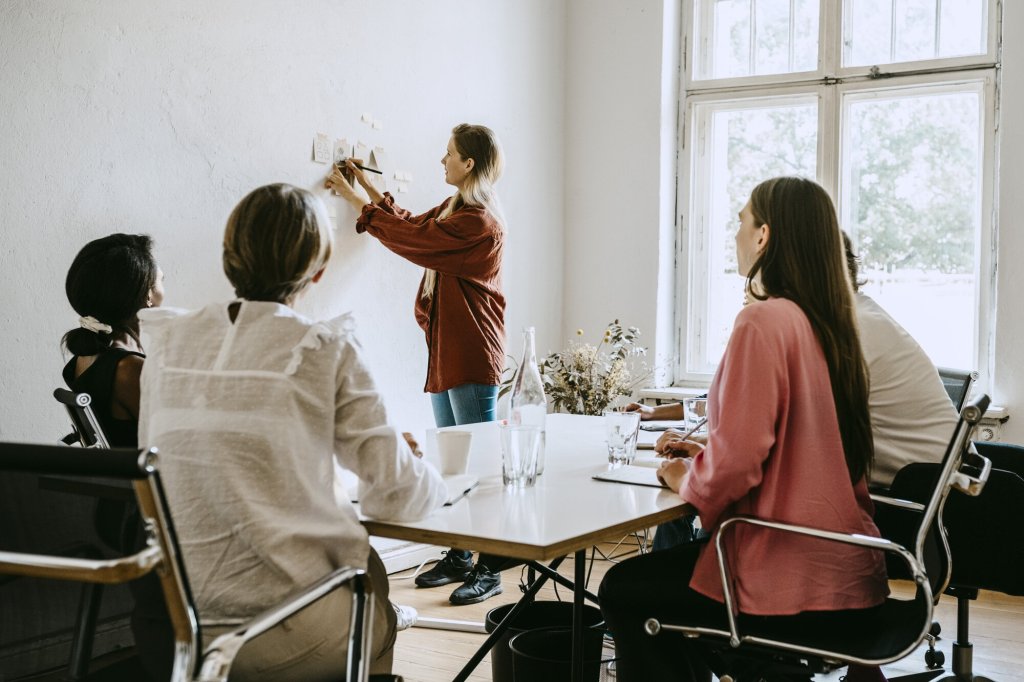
x: 251, y: 404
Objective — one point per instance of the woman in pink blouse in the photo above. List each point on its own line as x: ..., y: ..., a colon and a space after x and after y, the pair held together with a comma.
x: 789, y: 440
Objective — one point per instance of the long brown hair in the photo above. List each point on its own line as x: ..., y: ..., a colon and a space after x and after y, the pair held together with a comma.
x: 804, y: 261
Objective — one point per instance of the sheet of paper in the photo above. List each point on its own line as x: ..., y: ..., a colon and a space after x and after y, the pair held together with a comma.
x: 342, y: 150
x: 633, y: 475
x: 367, y: 118
x: 322, y: 148
x: 361, y: 151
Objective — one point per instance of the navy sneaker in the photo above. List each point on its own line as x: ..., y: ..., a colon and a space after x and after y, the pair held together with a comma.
x: 481, y: 584
x: 452, y: 568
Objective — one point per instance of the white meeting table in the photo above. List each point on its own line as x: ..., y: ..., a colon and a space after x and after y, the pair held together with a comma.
x: 564, y: 513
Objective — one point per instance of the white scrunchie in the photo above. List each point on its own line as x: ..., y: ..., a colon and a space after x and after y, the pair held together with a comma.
x: 92, y: 324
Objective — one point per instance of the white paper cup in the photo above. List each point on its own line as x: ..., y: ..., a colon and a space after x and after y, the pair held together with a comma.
x: 453, y: 451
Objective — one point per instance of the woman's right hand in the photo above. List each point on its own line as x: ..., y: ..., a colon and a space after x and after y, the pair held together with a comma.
x: 352, y: 168
x: 357, y: 173
x: 672, y: 444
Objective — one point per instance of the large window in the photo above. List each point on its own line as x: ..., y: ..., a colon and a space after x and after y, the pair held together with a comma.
x: 890, y: 104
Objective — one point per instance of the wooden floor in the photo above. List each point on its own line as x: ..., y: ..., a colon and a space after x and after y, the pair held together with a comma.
x: 428, y: 655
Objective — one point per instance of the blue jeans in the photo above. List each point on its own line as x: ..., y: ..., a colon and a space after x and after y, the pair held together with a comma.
x: 465, y: 404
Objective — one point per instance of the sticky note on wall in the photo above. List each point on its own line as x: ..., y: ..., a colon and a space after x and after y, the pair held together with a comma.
x: 322, y: 148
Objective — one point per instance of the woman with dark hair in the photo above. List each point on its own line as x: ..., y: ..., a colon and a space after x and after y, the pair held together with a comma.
x: 460, y: 305
x: 789, y: 440
x: 110, y: 280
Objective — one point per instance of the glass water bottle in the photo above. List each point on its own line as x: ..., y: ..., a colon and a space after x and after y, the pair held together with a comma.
x: 528, y: 405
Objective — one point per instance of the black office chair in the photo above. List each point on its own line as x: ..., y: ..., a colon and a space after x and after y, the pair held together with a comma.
x: 760, y: 653
x: 162, y: 555
x: 986, y: 539
x: 86, y: 428
x: 958, y: 383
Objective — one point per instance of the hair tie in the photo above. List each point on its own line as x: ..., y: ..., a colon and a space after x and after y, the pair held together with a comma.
x: 92, y: 324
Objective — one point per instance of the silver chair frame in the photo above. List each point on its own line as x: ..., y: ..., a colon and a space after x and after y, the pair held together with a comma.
x: 951, y: 477
x: 161, y: 555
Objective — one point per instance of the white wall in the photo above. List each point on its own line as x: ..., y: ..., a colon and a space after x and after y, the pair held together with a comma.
x: 159, y: 117
x: 1008, y: 372
x: 621, y: 94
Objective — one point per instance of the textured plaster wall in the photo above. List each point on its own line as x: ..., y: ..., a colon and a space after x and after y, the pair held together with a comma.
x: 158, y: 118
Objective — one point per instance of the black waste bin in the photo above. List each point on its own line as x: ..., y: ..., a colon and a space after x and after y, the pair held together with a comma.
x: 545, y: 655
x: 536, y: 614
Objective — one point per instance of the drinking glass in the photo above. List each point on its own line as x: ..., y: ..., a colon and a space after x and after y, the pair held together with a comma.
x: 695, y: 409
x: 620, y: 429
x: 519, y: 448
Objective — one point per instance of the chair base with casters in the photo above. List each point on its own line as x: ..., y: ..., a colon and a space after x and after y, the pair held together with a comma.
x: 161, y: 555
x: 897, y: 627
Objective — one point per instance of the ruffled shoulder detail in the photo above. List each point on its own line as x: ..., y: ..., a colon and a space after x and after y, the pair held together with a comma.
x: 337, y: 329
x: 155, y: 316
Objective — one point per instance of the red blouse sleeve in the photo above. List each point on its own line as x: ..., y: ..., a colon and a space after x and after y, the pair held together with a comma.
x: 752, y: 383
x: 466, y: 244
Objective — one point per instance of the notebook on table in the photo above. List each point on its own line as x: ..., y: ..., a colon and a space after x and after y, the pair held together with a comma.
x: 632, y: 474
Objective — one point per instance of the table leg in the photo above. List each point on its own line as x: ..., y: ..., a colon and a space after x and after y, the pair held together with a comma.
x: 492, y: 639
x: 577, y: 616
x: 561, y: 579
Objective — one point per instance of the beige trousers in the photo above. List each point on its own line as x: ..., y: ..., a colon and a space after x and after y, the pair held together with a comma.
x: 313, y: 644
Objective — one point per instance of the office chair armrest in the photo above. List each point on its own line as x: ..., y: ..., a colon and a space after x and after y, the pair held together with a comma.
x: 106, y: 571
x: 881, y: 544
x: 220, y: 655
x: 968, y: 483
x: 897, y: 502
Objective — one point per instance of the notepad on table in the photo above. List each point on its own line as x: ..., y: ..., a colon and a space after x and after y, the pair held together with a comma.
x: 633, y: 475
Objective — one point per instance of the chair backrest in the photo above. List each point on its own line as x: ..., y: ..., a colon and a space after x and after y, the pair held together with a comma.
x: 75, y: 472
x: 87, y: 430
x: 92, y: 476
x: 957, y: 383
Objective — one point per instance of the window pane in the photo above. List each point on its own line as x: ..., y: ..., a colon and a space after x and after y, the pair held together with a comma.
x: 745, y: 144
x: 962, y: 27
x: 756, y: 37
x: 912, y: 179
x: 888, y: 31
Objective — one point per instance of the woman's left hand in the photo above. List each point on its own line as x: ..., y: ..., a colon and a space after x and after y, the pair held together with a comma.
x: 673, y: 471
x: 343, y: 187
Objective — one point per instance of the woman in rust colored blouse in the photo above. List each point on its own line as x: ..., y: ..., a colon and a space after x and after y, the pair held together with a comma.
x: 459, y: 305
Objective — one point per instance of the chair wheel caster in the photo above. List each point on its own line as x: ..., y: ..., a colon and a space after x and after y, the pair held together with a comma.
x: 935, y: 629
x: 934, y: 659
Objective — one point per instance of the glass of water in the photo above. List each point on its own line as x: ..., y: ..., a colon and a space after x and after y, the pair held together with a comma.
x: 520, y: 446
x: 620, y: 429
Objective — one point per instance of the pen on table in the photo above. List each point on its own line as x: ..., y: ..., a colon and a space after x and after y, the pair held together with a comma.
x: 360, y: 166
x: 459, y: 497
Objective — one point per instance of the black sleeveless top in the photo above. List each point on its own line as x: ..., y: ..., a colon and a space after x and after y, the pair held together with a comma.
x: 98, y: 381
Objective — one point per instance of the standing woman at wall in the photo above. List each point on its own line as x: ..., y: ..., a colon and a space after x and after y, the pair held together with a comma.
x: 460, y: 305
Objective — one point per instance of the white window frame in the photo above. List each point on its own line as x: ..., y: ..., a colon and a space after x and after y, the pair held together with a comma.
x: 829, y: 83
